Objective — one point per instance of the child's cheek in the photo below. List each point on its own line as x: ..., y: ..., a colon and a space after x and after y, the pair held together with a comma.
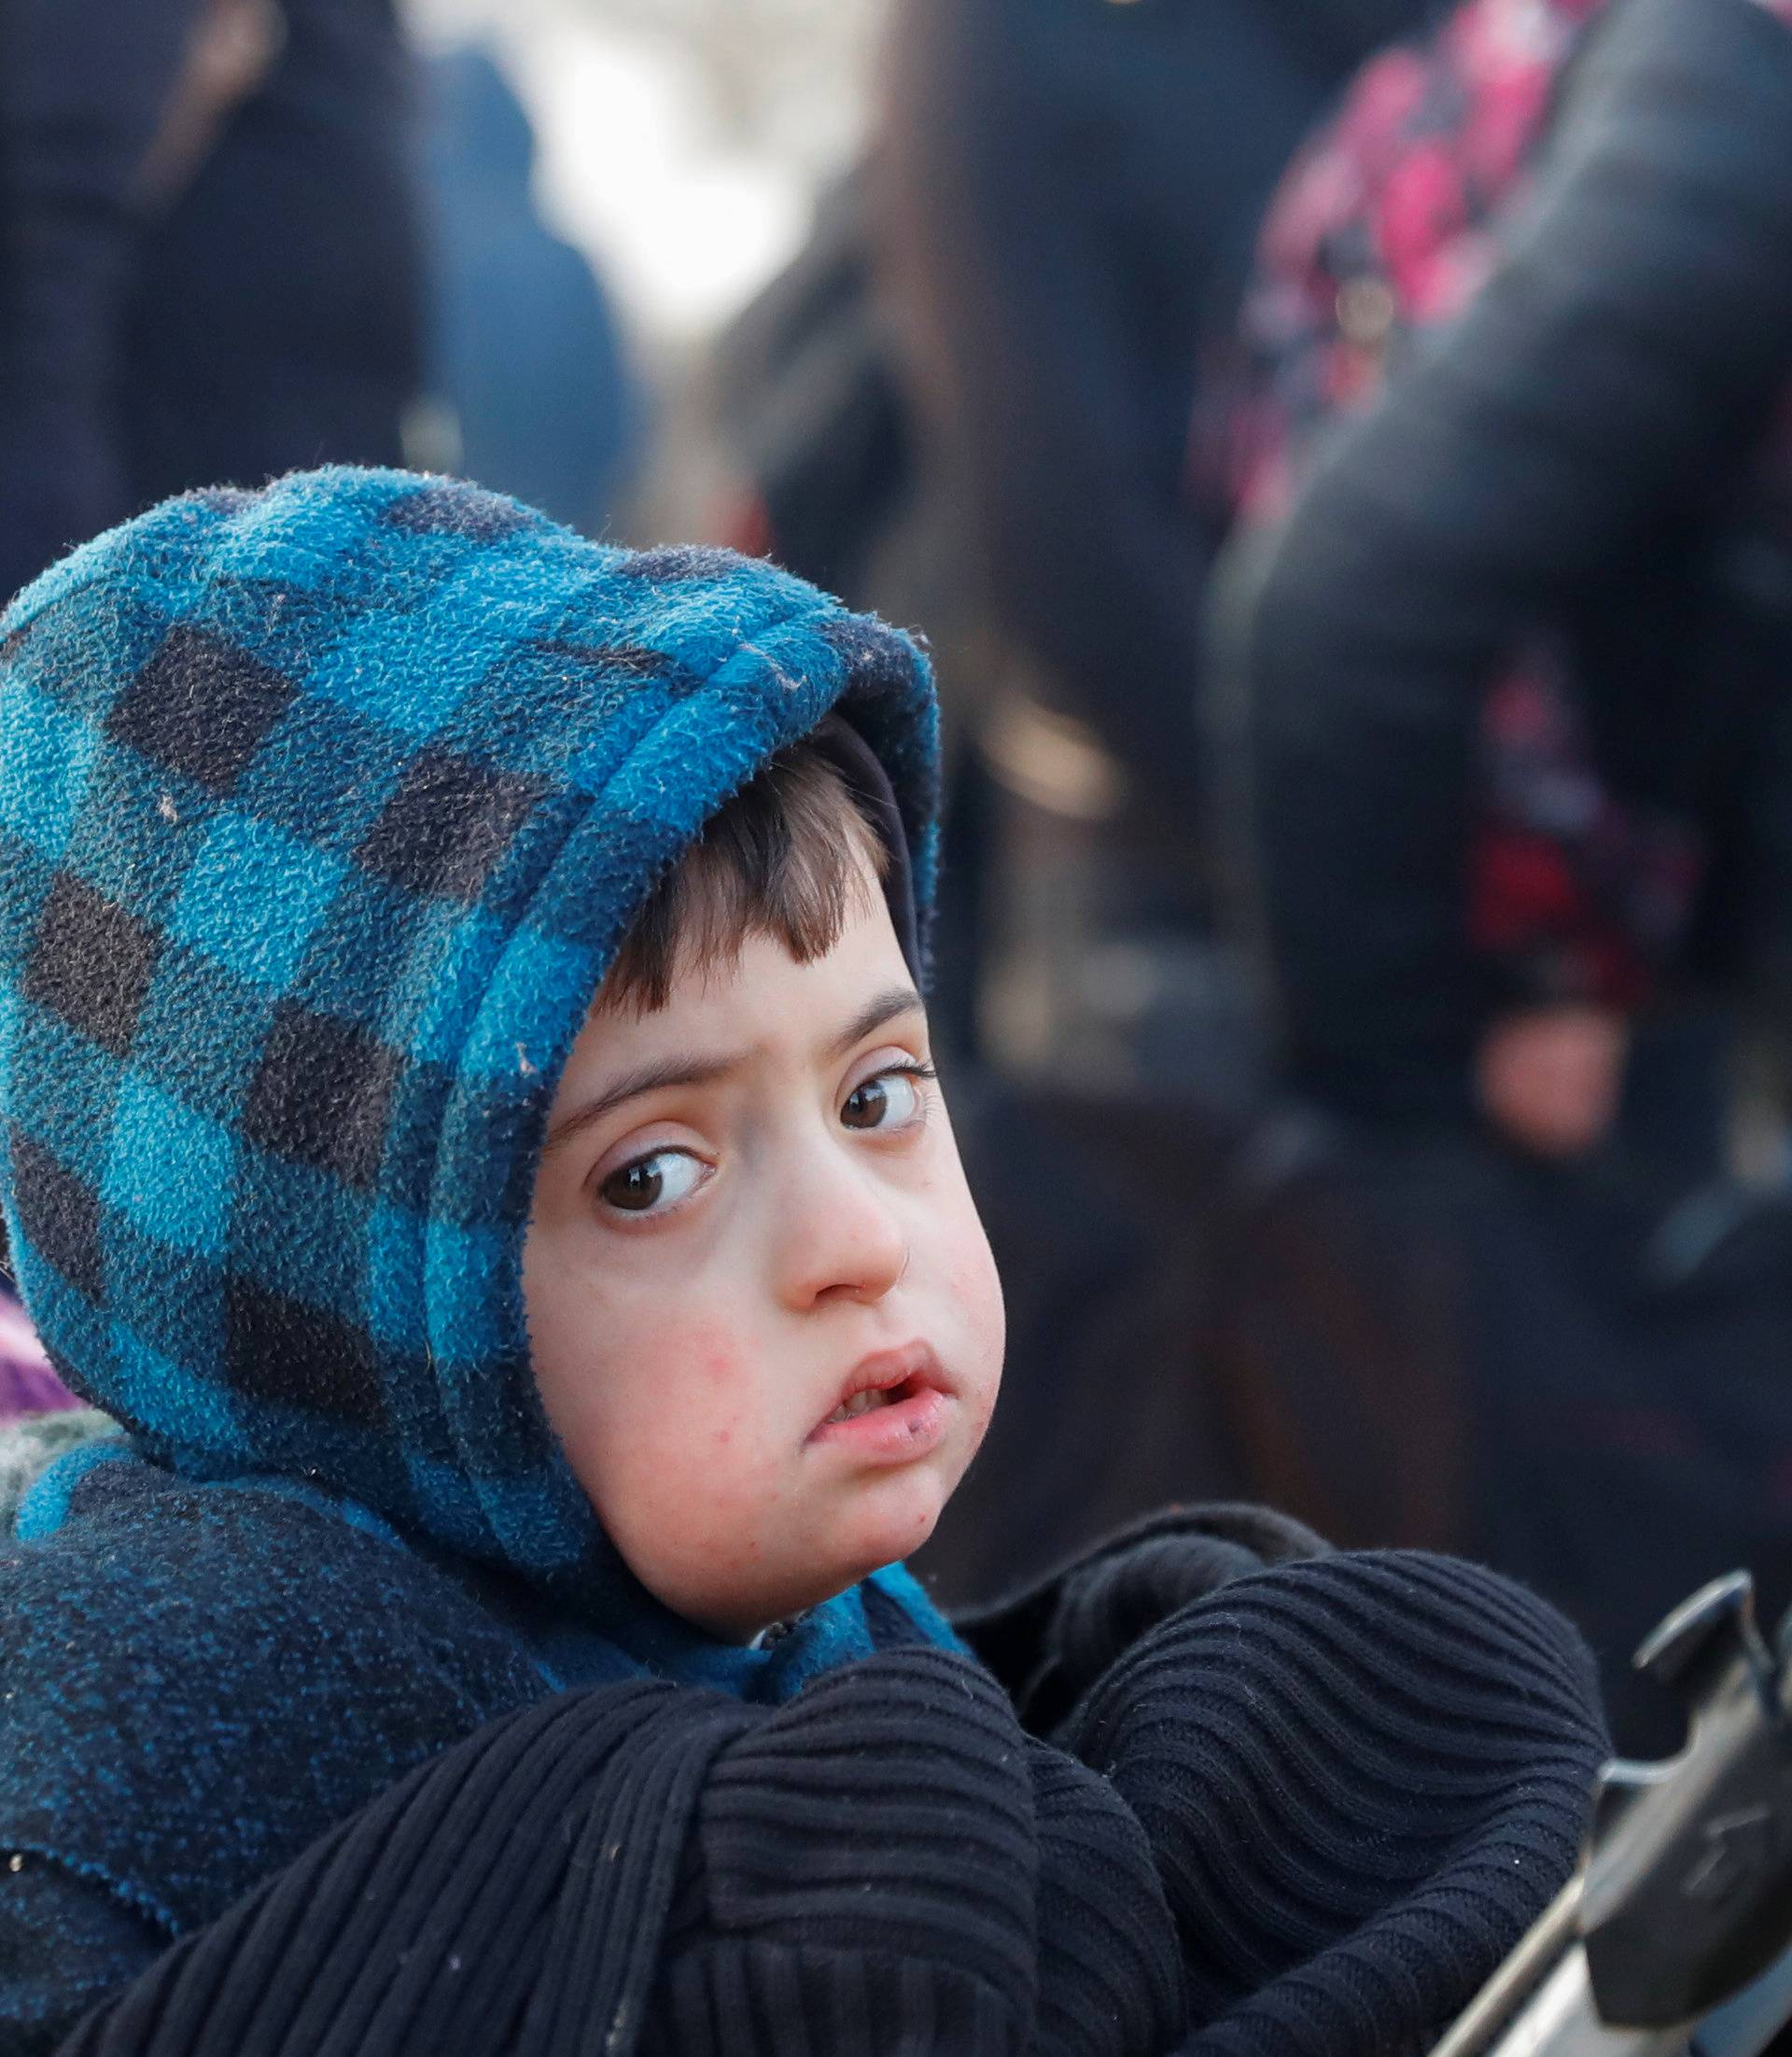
x: 682, y: 1384
x: 706, y: 1354
x: 699, y: 1395
x: 976, y: 1294
x: 720, y: 1364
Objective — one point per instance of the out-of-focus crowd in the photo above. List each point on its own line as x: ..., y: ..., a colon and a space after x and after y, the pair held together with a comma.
x: 1341, y: 451
x: 242, y: 236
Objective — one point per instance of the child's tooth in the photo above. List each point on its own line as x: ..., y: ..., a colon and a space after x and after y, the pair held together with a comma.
x: 861, y: 1403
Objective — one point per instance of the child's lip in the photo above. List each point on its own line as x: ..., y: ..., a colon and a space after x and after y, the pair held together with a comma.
x: 911, y: 1426
x: 914, y: 1364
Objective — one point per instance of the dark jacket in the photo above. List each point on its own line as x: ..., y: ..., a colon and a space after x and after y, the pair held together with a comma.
x: 1586, y: 452
x: 262, y: 314
x: 276, y: 316
x: 78, y: 112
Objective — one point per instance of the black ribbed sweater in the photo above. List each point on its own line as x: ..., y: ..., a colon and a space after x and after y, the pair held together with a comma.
x: 1308, y: 1811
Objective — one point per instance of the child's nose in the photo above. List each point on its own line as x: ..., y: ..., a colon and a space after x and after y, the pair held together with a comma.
x: 842, y: 1240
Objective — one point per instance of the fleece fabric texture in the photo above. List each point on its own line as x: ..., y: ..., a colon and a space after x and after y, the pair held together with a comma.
x: 323, y: 809
x: 1305, y: 1811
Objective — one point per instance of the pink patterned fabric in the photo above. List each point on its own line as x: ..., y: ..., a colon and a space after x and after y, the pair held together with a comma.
x: 1577, y: 896
x: 1384, y: 228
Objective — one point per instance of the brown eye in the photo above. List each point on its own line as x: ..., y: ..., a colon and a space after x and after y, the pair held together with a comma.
x: 652, y: 1182
x: 892, y: 1100
x: 867, y: 1106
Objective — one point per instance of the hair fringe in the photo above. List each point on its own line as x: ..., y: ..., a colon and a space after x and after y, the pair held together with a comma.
x: 786, y: 857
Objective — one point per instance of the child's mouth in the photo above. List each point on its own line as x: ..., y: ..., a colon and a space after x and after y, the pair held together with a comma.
x: 862, y: 1402
x: 897, y: 1409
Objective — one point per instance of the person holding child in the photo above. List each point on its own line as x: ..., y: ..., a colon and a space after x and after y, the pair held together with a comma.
x: 468, y: 1119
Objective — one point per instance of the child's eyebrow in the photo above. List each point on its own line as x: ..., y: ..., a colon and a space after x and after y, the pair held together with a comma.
x: 645, y: 1078
x: 881, y: 1008
x: 654, y: 1077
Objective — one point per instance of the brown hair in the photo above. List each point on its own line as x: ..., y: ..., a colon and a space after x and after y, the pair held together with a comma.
x: 786, y: 857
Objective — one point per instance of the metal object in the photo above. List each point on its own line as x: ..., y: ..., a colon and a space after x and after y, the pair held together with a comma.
x: 1684, y: 1900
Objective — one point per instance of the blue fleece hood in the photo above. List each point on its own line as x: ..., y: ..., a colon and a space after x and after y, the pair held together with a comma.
x: 323, y: 810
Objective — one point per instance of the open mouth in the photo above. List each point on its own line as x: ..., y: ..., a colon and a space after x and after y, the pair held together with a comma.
x: 896, y: 1406
x: 874, y: 1397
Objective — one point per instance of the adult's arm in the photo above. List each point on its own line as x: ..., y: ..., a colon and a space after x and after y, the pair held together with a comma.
x: 1361, y: 1777
x: 426, y: 1913
x: 83, y: 88
x: 1049, y: 1641
x: 625, y: 1865
x: 1633, y: 339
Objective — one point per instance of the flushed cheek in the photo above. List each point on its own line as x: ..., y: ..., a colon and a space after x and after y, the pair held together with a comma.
x: 709, y: 1350
x: 682, y: 1410
x: 694, y: 1385
x: 707, y: 1420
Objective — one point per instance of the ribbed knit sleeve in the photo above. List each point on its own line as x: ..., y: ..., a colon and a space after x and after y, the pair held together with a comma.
x: 1050, y: 1640
x: 1614, y: 369
x: 889, y: 1865
x: 1362, y: 1778
x: 863, y: 1874
x: 1110, y: 1971
x: 501, y: 1899
x: 884, y: 1864
x: 1308, y: 1812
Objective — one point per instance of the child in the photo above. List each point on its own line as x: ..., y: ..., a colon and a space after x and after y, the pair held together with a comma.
x: 468, y: 1114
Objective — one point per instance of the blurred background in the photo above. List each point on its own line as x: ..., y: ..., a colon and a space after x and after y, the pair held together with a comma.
x: 722, y: 126
x: 1340, y: 453
x: 726, y: 120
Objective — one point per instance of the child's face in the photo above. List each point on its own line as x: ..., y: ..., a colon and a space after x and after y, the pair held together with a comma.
x: 750, y: 1207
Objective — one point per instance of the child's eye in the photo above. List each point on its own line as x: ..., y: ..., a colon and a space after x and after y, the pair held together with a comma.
x: 892, y: 1100
x: 652, y: 1184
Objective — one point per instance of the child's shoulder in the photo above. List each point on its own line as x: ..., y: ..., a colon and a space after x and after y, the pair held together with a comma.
x: 181, y: 1657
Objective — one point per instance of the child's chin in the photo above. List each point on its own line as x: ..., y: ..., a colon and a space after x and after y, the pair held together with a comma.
x: 901, y: 1517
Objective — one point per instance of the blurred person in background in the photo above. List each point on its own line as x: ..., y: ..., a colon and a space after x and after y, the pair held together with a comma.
x: 209, y: 268
x: 826, y: 476
x: 529, y: 386
x: 1504, y: 659
x: 1553, y: 738
x: 1064, y: 206
x: 209, y: 257
x: 811, y: 407
x: 1066, y: 197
